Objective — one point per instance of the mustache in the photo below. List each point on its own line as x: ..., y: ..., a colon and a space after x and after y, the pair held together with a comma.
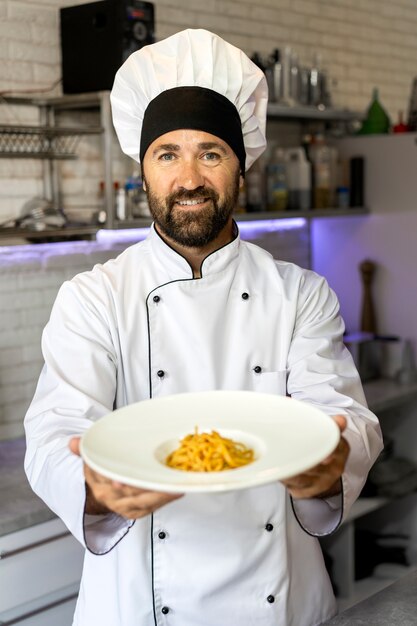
x: 191, y: 194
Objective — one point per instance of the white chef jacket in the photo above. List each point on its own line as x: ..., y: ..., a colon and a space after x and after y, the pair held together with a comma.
x: 141, y: 326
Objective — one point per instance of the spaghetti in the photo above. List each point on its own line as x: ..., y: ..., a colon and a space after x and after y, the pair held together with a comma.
x: 209, y: 452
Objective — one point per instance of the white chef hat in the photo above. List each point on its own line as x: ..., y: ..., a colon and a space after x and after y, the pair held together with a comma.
x: 193, y: 79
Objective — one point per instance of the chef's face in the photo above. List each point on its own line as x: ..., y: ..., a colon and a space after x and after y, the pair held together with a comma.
x: 192, y: 181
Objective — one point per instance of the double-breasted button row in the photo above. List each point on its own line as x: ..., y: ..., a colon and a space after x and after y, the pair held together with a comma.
x: 269, y: 528
x: 156, y: 298
x: 162, y: 535
x: 257, y: 369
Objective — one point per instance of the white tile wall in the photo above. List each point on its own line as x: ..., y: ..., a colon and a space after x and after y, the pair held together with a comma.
x: 363, y: 43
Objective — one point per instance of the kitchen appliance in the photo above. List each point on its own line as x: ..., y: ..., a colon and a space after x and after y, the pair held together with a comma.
x: 96, y: 39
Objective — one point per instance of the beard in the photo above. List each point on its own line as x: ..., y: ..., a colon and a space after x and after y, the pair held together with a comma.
x: 193, y: 228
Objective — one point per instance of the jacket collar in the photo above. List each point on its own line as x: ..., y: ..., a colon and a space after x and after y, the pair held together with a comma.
x: 177, y: 267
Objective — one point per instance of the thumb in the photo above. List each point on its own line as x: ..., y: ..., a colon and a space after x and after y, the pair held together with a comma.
x: 341, y: 421
x: 74, y: 445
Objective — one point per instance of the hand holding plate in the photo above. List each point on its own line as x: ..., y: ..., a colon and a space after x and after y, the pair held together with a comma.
x: 322, y: 480
x: 104, y: 495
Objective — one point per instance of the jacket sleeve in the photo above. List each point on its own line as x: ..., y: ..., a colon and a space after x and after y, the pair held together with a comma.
x: 321, y: 372
x: 76, y: 387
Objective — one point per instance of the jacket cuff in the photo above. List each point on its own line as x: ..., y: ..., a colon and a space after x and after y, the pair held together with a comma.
x: 319, y: 516
x: 103, y: 532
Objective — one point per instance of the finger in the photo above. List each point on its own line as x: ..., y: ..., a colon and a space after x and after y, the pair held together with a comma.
x: 74, y: 445
x: 94, y: 478
x: 152, y: 500
x: 341, y: 451
x: 145, y: 504
x: 341, y: 421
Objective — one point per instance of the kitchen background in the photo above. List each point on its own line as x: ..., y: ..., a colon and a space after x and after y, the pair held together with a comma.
x: 362, y: 44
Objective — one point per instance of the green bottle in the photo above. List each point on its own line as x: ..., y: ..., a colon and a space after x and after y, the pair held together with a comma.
x: 377, y: 120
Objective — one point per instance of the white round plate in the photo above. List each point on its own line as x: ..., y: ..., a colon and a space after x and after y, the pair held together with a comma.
x: 131, y: 444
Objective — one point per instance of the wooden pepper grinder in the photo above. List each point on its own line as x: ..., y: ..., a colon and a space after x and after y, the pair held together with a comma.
x: 368, y: 322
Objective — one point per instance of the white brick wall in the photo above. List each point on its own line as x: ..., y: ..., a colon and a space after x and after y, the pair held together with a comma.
x: 30, y: 277
x: 363, y: 43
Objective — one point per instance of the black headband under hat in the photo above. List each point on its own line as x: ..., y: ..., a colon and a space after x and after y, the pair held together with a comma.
x: 195, y: 108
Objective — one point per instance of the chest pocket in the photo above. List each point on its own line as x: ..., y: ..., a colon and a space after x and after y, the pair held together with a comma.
x: 271, y: 382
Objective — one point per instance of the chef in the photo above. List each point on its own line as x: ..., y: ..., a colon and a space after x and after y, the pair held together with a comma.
x: 194, y: 308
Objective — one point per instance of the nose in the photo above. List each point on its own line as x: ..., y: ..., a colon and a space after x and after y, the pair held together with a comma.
x: 190, y: 176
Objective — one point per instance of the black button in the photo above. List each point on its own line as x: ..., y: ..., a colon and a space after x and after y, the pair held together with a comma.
x: 269, y: 599
x: 165, y: 610
x: 162, y: 535
x: 269, y: 527
x: 245, y: 295
x: 160, y: 373
x: 156, y: 298
x: 257, y: 369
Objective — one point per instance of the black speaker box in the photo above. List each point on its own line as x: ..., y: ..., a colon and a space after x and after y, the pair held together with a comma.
x: 96, y: 39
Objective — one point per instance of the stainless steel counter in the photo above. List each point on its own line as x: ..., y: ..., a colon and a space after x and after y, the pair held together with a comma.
x: 19, y: 507
x: 395, y: 605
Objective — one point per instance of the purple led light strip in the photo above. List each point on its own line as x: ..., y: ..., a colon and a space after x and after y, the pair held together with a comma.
x: 11, y: 254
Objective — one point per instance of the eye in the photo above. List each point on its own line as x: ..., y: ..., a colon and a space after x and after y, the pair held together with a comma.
x: 211, y: 156
x: 166, y: 156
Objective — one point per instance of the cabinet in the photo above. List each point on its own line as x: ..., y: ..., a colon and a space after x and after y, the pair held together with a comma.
x: 382, y: 395
x: 40, y: 570
x: 51, y: 143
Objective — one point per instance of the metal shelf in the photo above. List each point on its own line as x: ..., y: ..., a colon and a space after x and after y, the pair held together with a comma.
x: 280, y: 111
x: 274, y: 110
x: 52, y: 143
x: 50, y: 234
x: 310, y: 213
x: 41, y: 142
x: 143, y: 222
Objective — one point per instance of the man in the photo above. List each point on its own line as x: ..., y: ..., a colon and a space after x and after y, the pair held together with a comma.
x: 194, y: 308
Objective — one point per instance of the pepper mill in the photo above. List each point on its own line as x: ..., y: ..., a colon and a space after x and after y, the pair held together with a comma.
x: 368, y: 322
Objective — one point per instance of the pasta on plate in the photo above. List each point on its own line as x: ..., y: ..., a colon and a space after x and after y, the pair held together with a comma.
x: 209, y: 452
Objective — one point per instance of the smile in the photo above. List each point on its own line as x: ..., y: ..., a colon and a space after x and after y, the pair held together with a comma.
x: 191, y: 202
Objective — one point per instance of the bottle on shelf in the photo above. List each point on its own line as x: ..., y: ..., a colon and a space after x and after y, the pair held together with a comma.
x: 254, y: 184
x: 343, y: 184
x: 377, y: 120
x: 315, y: 95
x: 357, y: 166
x: 258, y: 60
x: 120, y: 202
x: 299, y: 179
x: 136, y: 199
x: 102, y: 208
x: 400, y: 126
x: 306, y: 143
x: 273, y: 73
x: 324, y: 159
x: 242, y: 200
x: 287, y: 60
x: 294, y: 78
x: 277, y: 183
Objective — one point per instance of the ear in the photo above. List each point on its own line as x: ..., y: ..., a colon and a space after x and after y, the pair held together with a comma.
x: 144, y: 184
x: 241, y: 181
